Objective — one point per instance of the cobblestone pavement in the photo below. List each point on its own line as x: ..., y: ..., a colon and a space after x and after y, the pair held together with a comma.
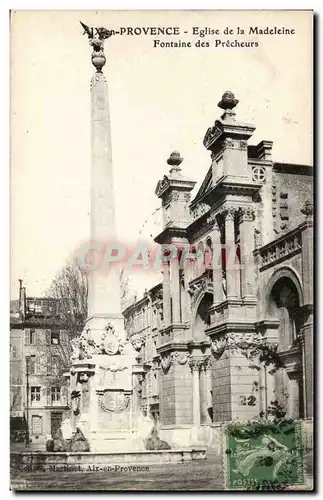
x: 195, y: 475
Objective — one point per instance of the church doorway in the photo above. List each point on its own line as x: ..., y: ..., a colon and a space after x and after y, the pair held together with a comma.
x: 284, y: 306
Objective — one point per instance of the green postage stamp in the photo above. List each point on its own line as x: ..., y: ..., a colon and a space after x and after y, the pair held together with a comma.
x: 263, y: 456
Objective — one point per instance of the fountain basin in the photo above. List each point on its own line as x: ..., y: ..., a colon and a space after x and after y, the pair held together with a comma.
x: 74, y: 461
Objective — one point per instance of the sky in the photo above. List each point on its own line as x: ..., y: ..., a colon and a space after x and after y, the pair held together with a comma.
x: 160, y: 100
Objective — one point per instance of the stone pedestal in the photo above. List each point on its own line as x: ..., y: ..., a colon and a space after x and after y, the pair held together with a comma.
x: 104, y: 403
x: 176, y: 389
x: 240, y: 391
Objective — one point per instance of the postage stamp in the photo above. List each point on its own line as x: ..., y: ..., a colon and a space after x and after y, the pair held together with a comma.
x: 263, y: 456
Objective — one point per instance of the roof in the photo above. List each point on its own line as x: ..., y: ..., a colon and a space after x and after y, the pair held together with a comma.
x: 293, y: 168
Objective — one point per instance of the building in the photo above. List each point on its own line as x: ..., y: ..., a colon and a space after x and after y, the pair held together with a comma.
x: 246, y: 277
x: 39, y: 355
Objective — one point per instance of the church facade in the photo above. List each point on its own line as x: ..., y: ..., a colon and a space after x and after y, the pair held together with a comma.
x: 227, y: 334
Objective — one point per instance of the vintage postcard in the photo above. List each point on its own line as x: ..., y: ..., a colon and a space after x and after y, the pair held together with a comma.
x: 161, y: 313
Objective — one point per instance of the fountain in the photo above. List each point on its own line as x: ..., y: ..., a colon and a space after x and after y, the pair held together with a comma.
x: 106, y: 423
x: 104, y: 381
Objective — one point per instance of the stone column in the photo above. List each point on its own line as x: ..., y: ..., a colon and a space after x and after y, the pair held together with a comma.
x: 267, y: 388
x: 246, y: 248
x: 195, y: 365
x: 202, y: 395
x: 307, y: 355
x: 175, y: 290
x: 185, y: 305
x: 307, y: 253
x: 293, y: 400
x: 208, y: 388
x: 217, y: 264
x: 166, y: 294
x: 307, y: 309
x: 232, y: 270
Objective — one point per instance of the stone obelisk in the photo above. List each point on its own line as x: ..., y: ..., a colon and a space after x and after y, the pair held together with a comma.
x: 104, y: 303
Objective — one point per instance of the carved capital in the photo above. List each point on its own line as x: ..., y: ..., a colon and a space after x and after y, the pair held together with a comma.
x: 196, y: 363
x: 208, y: 363
x: 247, y: 214
x: 235, y: 341
x: 229, y: 212
x: 228, y: 143
x: 179, y: 357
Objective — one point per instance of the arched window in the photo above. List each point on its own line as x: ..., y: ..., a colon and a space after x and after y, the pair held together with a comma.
x: 202, y: 319
x: 285, y: 306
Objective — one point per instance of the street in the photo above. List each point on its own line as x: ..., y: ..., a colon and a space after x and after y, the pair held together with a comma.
x: 195, y: 475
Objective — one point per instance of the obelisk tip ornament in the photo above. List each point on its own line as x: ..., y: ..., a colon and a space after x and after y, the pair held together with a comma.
x: 96, y: 40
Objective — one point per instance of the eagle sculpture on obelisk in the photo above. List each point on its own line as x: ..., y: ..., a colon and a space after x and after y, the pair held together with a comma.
x: 104, y: 302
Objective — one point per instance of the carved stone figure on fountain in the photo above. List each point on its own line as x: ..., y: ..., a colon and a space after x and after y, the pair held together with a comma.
x: 106, y: 342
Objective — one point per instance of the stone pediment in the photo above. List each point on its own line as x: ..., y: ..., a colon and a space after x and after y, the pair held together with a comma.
x: 204, y: 188
x: 212, y: 134
x: 162, y: 185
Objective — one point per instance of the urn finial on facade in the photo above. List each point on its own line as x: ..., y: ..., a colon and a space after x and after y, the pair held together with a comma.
x: 228, y: 102
x: 174, y: 161
x: 174, y: 190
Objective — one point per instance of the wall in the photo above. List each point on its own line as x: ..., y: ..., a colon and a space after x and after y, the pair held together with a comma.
x: 48, y: 373
x: 299, y: 189
x: 17, y: 395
